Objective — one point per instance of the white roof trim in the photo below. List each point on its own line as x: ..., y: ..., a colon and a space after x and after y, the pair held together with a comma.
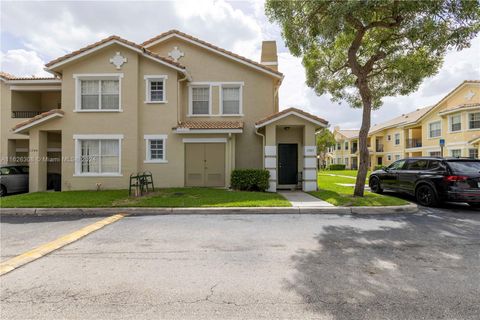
x: 460, y: 109
x: 288, y: 114
x: 213, y: 50
x: 108, y: 43
x: 188, y: 130
x: 34, y: 123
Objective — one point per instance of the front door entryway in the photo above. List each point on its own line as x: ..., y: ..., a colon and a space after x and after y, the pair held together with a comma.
x: 205, y: 164
x: 287, y: 163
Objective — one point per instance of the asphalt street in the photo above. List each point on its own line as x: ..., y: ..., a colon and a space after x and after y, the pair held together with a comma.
x: 420, y: 266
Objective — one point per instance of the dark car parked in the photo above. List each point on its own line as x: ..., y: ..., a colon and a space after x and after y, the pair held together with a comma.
x: 13, y: 179
x: 431, y: 180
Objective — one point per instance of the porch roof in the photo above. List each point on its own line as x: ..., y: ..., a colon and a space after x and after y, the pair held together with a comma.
x: 291, y: 111
x: 209, y: 127
x: 41, y: 118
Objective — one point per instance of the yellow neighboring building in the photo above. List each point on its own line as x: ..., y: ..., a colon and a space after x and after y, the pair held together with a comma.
x: 455, y: 119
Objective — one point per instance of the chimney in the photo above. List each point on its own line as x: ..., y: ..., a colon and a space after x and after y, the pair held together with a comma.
x: 269, y: 54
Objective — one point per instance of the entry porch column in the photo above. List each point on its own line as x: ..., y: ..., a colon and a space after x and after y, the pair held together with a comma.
x: 38, y: 161
x: 310, y: 176
x: 270, y: 156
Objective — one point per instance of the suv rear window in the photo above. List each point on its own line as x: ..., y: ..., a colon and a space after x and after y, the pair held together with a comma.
x: 465, y: 166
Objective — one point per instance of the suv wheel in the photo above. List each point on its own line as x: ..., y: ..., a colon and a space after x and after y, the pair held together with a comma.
x: 426, y: 196
x: 375, y: 185
x: 3, y: 191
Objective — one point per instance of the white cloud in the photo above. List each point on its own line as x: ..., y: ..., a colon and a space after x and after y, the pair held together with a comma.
x: 21, y: 62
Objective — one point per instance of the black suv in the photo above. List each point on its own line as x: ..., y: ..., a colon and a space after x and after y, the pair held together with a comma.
x: 431, y: 180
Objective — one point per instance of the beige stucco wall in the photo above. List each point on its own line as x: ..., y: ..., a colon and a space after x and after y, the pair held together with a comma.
x: 258, y: 94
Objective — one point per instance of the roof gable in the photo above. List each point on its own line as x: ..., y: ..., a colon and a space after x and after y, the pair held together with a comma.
x: 108, y: 42
x: 288, y: 112
x: 228, y: 54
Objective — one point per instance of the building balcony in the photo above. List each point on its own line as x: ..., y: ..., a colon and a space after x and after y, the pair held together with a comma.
x: 379, y: 148
x: 414, y: 143
x: 25, y: 114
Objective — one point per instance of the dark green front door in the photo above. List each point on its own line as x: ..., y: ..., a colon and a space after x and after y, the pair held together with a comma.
x: 287, y: 163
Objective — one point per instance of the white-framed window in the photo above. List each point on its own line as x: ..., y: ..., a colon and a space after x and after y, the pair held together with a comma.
x: 155, y: 88
x: 455, y: 123
x: 231, y: 99
x: 98, y: 155
x: 473, y: 153
x: 397, y: 138
x: 389, y: 138
x: 346, y: 161
x: 435, y: 154
x: 155, y: 148
x: 456, y: 153
x: 339, y: 160
x: 346, y: 145
x: 435, y: 129
x: 474, y: 120
x: 339, y: 146
x: 200, y: 98
x: 389, y: 157
x: 397, y: 157
x: 98, y: 92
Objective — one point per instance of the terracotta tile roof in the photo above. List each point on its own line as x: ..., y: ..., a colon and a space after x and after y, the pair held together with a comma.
x: 210, y: 125
x: 349, y: 133
x: 39, y: 117
x: 162, y: 35
x: 8, y: 76
x: 119, y: 39
x: 283, y: 112
x: 406, y: 118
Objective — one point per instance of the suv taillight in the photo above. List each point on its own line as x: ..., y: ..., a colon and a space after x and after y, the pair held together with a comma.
x: 455, y: 178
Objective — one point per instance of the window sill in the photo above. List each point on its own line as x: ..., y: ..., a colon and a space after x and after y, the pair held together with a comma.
x: 199, y: 115
x: 231, y: 115
x: 474, y: 129
x: 155, y: 102
x: 155, y: 161
x: 107, y: 111
x: 98, y: 175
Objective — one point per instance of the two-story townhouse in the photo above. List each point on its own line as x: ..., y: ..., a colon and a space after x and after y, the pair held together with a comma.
x: 454, y: 120
x: 177, y: 106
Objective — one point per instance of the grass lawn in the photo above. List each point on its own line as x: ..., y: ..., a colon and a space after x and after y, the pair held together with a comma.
x: 338, y: 195
x: 350, y: 173
x: 172, y: 197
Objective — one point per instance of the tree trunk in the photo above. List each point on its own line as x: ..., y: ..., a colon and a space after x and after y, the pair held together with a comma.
x: 363, y: 138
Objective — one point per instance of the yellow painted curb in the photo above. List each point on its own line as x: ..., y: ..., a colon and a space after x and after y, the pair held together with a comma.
x: 47, y: 248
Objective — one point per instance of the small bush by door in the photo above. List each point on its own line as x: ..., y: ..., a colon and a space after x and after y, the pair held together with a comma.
x: 250, y: 179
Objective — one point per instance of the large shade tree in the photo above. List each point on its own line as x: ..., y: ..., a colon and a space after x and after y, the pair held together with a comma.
x: 362, y: 51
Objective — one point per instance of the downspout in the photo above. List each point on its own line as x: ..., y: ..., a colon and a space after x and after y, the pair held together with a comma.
x: 186, y: 77
x: 263, y: 146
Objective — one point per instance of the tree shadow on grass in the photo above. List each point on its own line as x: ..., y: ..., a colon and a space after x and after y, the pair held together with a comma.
x: 403, y: 267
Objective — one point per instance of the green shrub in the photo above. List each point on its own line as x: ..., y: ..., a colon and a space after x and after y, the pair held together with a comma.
x: 336, y: 167
x: 378, y: 167
x: 250, y: 179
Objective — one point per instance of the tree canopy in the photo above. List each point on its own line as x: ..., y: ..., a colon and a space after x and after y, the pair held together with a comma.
x: 362, y: 51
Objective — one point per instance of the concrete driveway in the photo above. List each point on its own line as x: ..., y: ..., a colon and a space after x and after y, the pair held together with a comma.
x: 422, y: 266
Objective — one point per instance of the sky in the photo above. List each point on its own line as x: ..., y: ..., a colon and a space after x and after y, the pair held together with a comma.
x: 33, y: 33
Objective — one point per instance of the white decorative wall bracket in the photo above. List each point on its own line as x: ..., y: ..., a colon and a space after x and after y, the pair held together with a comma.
x: 176, y: 54
x: 118, y: 60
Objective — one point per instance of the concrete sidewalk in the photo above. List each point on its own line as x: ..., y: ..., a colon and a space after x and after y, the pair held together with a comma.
x: 303, y: 200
